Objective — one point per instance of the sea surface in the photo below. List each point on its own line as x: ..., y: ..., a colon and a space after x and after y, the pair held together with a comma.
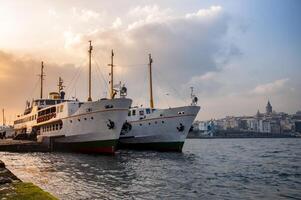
x: 207, y: 169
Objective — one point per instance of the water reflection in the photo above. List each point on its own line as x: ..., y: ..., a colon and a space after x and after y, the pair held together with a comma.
x: 218, y: 169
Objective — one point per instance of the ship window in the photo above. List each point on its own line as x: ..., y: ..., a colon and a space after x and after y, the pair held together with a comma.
x: 149, y: 123
x: 133, y: 112
x: 78, y: 120
x: 155, y: 122
x: 141, y: 112
x: 147, y: 111
x: 140, y: 124
x: 129, y: 114
x: 50, y: 102
x: 56, y: 127
x: 70, y: 121
x: 62, y: 107
x: 85, y: 118
x: 92, y: 117
x: 61, y: 126
x: 162, y: 122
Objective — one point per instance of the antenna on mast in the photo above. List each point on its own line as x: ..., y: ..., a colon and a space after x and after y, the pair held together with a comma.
x: 60, y: 84
x: 42, y: 79
x: 61, y: 87
x: 150, y: 81
x: 112, y: 92
x: 194, y: 99
x: 90, y: 52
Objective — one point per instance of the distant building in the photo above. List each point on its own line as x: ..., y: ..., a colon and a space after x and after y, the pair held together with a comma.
x: 270, y: 122
x: 269, y: 108
x: 264, y: 126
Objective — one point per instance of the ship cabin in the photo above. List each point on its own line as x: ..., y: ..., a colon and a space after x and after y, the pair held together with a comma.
x: 32, y: 111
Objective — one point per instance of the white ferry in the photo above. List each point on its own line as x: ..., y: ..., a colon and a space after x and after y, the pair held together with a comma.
x: 89, y: 127
x: 158, y: 129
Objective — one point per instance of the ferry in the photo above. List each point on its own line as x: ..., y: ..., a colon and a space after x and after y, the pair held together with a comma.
x: 72, y: 125
x: 158, y: 129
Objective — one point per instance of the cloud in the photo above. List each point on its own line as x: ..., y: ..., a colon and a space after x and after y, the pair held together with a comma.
x: 271, y: 88
x: 117, y: 23
x: 182, y: 47
x: 210, y: 12
x: 206, y: 85
x: 19, y: 80
x: 85, y: 14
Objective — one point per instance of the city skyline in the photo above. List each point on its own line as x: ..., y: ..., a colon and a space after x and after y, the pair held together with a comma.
x: 237, y: 55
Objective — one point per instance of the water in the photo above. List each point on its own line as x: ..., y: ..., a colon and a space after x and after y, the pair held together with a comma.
x: 207, y: 169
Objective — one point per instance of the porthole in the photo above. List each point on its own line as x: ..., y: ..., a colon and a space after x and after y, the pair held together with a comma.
x: 85, y: 118
x: 162, y: 122
x: 140, y: 124
x: 149, y: 123
x: 78, y: 120
x: 92, y: 118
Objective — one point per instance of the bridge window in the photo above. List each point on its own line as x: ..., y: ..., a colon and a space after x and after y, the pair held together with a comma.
x: 133, y: 112
x: 147, y: 111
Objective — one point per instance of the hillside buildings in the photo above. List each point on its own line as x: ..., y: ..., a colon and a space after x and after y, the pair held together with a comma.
x: 268, y: 122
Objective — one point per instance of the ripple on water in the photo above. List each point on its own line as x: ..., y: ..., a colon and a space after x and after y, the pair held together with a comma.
x: 207, y: 169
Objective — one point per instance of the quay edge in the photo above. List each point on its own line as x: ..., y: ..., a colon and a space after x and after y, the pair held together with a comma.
x: 11, y: 187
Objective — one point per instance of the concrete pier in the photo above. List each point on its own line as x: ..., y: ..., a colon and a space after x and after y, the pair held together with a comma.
x: 11, y: 187
x: 22, y: 146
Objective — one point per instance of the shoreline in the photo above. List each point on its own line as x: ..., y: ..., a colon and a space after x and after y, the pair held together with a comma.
x: 11, y: 187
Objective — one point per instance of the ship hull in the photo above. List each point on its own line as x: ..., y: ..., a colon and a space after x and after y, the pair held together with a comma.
x: 89, y: 129
x: 90, y: 147
x: 163, y: 132
x: 158, y: 146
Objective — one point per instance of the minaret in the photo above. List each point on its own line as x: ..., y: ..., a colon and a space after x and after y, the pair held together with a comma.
x: 150, y: 81
x: 269, y: 108
x: 90, y: 52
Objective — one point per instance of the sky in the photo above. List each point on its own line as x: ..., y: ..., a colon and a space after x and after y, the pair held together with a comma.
x: 236, y: 54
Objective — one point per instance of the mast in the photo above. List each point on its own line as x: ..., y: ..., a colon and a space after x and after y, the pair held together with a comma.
x: 60, y: 85
x: 3, y: 122
x: 112, y: 76
x: 41, y: 79
x: 151, y: 81
x: 90, y: 52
